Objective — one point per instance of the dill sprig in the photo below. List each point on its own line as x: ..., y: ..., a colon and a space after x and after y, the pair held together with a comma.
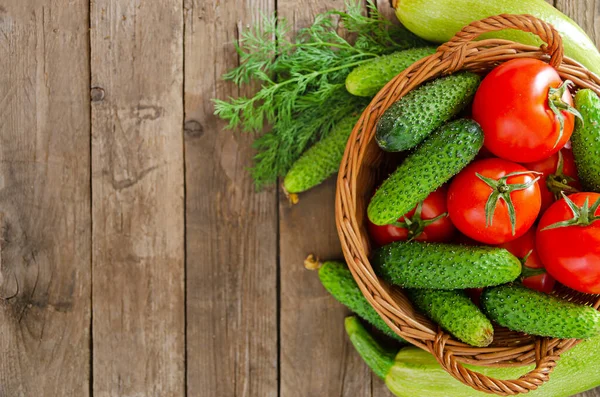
x: 302, y: 94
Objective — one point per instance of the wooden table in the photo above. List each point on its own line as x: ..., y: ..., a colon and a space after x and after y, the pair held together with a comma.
x: 136, y: 258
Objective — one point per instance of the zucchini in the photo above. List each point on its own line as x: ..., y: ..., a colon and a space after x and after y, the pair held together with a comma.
x: 368, y: 78
x: 522, y: 309
x: 444, y: 266
x: 321, y: 160
x: 440, y: 20
x: 416, y: 373
x: 417, y: 114
x: 586, y: 139
x: 441, y: 156
x: 338, y: 281
x: 455, y: 312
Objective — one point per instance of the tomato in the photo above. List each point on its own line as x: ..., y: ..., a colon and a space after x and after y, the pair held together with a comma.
x: 560, y: 175
x: 428, y: 221
x: 519, y: 106
x: 475, y: 295
x: 494, y: 201
x: 533, y: 275
x: 568, y: 241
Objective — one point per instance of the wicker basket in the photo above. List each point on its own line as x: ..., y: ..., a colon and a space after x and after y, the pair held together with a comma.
x: 362, y: 167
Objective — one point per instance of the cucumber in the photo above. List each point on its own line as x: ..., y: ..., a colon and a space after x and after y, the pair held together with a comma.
x: 416, y: 373
x: 444, y: 266
x: 586, y: 139
x: 321, y: 160
x: 368, y: 78
x: 420, y: 112
x: 440, y: 20
x: 521, y: 309
x: 441, y: 156
x: 338, y: 281
x: 456, y: 313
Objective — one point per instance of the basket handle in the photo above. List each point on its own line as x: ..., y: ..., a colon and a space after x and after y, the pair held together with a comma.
x: 544, y: 365
x: 456, y: 47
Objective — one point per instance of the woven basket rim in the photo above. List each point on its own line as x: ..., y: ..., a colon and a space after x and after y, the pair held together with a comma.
x: 462, y: 52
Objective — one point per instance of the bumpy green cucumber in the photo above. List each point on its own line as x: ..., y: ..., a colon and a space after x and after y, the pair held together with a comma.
x: 455, y: 312
x: 440, y: 20
x: 321, y: 160
x: 521, y: 309
x: 368, y: 78
x: 414, y: 116
x: 444, y: 266
x: 338, y: 281
x: 586, y: 139
x: 441, y: 156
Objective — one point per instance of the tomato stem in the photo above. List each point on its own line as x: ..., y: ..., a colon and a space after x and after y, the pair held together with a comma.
x: 582, y: 216
x: 501, y: 189
x: 415, y: 224
x: 558, y: 105
x: 559, y: 182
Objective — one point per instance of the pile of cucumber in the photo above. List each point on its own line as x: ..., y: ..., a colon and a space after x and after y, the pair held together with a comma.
x: 435, y: 275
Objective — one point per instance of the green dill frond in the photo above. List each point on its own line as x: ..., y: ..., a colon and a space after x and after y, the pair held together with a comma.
x: 302, y: 94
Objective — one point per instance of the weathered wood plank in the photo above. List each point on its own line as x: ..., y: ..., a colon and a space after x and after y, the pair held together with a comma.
x: 137, y: 198
x: 44, y: 199
x: 231, y: 230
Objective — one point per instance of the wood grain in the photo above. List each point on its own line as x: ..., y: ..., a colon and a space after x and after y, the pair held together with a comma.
x: 44, y: 199
x: 137, y: 198
x: 231, y: 229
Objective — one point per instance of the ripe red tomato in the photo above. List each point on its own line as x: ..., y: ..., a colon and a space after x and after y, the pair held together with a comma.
x: 430, y: 222
x: 533, y: 275
x: 494, y: 201
x: 519, y: 106
x: 560, y: 175
x: 568, y: 241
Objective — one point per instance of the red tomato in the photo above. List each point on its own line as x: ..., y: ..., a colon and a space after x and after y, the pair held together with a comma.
x: 431, y: 224
x: 519, y: 105
x: 481, y: 196
x: 533, y: 275
x: 475, y: 295
x: 568, y: 241
x: 560, y: 175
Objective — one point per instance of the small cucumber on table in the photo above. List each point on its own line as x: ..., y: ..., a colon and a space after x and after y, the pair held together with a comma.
x: 522, y: 309
x: 420, y: 112
x: 455, y: 312
x: 338, y: 281
x: 586, y: 139
x: 444, y: 266
x: 321, y: 160
x: 441, y: 156
x: 368, y: 78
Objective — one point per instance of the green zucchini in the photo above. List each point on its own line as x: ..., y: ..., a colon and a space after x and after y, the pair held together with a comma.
x: 413, y: 372
x: 338, y: 281
x: 321, y: 160
x: 444, y: 266
x: 586, y: 139
x: 441, y: 156
x: 368, y: 78
x: 455, y: 312
x: 420, y: 112
x: 522, y: 309
x: 440, y: 20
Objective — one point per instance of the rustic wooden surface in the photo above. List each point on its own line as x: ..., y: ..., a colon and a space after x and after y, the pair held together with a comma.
x: 136, y: 259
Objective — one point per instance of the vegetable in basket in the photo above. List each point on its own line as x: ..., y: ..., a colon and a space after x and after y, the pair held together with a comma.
x: 413, y: 372
x: 440, y: 20
x: 586, y: 139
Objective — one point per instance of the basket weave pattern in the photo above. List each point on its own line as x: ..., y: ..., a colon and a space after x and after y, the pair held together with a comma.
x: 363, y: 164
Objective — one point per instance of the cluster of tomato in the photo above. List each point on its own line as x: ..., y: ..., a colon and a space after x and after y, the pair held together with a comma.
x: 522, y: 193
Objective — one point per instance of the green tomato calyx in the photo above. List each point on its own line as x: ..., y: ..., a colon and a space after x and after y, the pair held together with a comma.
x: 557, y: 105
x: 415, y: 224
x: 501, y: 189
x: 582, y: 216
x: 559, y: 182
